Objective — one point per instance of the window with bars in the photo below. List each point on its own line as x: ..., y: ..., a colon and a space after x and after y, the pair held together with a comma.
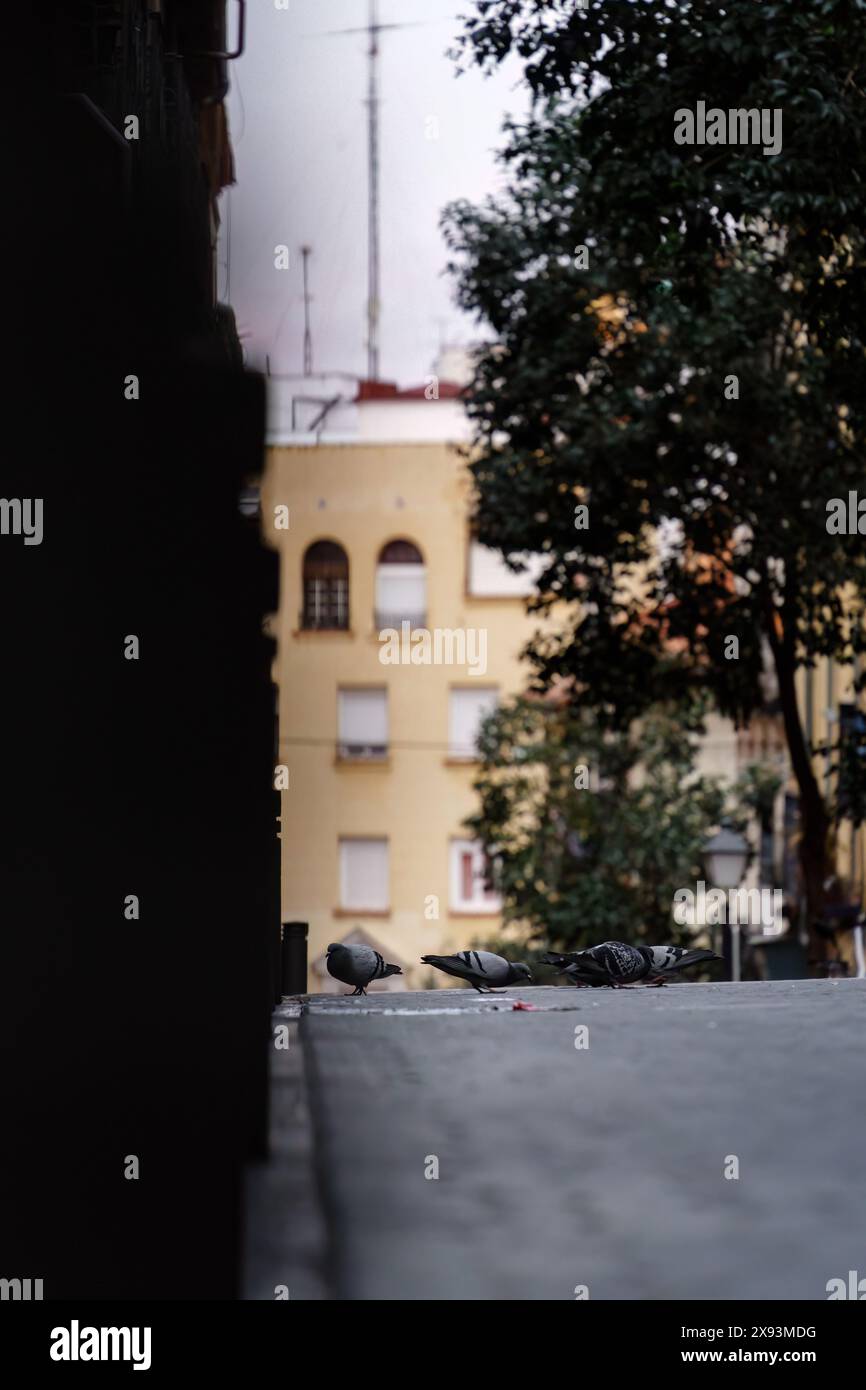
x: 325, y: 587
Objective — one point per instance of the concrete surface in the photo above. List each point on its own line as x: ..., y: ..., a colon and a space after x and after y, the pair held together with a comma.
x: 285, y: 1245
x: 602, y: 1166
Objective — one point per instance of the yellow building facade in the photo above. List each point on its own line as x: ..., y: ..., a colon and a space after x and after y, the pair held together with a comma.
x: 377, y: 741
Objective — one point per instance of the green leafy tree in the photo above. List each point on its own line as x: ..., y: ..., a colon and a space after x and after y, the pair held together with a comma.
x: 678, y: 349
x: 592, y: 831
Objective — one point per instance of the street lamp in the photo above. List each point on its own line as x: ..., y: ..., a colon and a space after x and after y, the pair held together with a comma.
x: 725, y: 857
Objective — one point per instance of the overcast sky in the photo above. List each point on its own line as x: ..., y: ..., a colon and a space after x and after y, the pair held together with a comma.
x: 299, y: 129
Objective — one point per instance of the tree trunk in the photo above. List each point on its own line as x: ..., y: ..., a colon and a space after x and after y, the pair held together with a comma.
x: 814, y: 819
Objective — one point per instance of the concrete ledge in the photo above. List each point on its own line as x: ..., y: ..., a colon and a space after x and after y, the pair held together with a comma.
x: 562, y: 1166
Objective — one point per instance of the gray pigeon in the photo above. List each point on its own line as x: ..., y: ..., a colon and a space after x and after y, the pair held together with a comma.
x: 669, y: 960
x: 482, y: 969
x: 616, y: 964
x: 358, y: 965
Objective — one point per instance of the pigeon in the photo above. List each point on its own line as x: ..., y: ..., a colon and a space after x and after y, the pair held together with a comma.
x: 358, y: 965
x: 482, y: 969
x: 670, y: 960
x: 616, y: 964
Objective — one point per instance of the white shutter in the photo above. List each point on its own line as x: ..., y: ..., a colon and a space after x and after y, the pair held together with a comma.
x: 362, y: 717
x: 364, y: 875
x: 490, y: 577
x: 401, y: 591
x: 466, y: 710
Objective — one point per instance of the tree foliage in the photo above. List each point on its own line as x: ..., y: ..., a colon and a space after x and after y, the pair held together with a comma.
x: 610, y: 386
x: 577, y: 864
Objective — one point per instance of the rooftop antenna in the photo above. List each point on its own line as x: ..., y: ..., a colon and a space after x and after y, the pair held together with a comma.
x: 308, y: 337
x: 373, y: 29
x: 373, y: 195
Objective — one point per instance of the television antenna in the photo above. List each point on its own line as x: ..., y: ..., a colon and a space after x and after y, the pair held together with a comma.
x: 373, y: 28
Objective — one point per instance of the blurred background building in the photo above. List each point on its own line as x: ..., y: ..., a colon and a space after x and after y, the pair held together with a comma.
x: 835, y: 726
x: 381, y: 757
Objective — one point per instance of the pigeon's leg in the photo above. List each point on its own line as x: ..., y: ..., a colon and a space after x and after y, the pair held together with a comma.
x: 656, y: 984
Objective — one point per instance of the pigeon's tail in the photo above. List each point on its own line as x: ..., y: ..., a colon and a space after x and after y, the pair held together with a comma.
x: 577, y: 966
x: 434, y: 960
x: 558, y: 958
x: 693, y: 958
x: 383, y: 969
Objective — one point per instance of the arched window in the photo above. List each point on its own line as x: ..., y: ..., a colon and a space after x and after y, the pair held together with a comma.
x: 401, y: 586
x: 326, y: 586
